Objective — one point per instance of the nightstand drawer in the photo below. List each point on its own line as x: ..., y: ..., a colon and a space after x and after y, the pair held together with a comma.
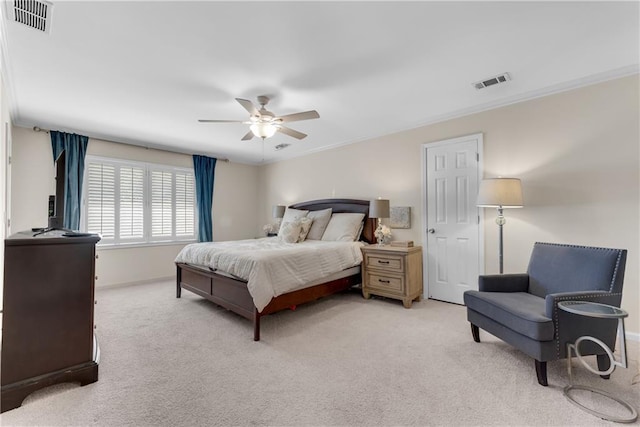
x: 387, y: 262
x: 387, y: 283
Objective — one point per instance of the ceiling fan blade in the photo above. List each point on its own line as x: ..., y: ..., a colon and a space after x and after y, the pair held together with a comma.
x: 291, y: 132
x: 248, y: 105
x: 248, y: 136
x: 220, y: 121
x: 307, y: 115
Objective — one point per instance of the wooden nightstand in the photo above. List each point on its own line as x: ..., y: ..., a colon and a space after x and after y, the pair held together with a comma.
x: 392, y: 272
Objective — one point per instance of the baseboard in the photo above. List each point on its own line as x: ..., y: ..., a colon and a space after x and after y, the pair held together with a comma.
x: 137, y: 282
x: 632, y: 336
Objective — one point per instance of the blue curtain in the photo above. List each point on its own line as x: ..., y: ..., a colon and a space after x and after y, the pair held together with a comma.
x: 204, y: 168
x: 75, y: 147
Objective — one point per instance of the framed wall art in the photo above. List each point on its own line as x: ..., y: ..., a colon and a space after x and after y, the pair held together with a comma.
x: 400, y: 217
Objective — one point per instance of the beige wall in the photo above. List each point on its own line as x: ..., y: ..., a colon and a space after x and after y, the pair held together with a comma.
x: 32, y: 179
x: 576, y: 152
x: 234, y: 207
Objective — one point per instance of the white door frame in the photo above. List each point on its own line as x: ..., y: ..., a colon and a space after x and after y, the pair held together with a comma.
x: 423, y: 160
x: 7, y: 178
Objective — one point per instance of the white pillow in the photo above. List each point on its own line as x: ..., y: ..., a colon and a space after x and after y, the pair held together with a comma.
x: 291, y: 215
x: 290, y: 231
x: 320, y: 222
x: 343, y: 227
x: 305, y: 226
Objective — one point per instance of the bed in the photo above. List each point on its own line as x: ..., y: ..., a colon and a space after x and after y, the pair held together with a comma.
x: 232, y: 293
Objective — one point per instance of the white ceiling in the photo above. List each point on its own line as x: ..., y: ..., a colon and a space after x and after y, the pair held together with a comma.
x: 144, y: 72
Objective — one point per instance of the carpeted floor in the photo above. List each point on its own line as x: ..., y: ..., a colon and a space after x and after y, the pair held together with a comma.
x: 339, y: 361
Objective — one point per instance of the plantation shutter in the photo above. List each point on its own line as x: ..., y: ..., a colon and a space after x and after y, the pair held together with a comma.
x: 185, y: 204
x: 100, y: 199
x: 131, y: 202
x: 161, y: 203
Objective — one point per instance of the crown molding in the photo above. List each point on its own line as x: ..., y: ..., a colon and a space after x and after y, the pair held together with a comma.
x: 527, y: 96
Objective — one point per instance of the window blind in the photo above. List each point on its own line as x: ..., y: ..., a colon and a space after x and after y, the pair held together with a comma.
x: 161, y: 204
x: 133, y: 202
x: 185, y: 204
x: 100, y: 199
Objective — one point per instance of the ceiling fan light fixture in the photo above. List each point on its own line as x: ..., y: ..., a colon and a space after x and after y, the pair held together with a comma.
x: 263, y: 123
x: 263, y: 130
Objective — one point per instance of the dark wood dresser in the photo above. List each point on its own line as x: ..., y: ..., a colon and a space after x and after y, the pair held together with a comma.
x: 47, y: 321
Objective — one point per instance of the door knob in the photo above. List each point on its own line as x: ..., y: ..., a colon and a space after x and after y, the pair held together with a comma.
x: 431, y: 230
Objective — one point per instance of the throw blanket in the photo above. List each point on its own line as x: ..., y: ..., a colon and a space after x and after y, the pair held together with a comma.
x: 272, y: 267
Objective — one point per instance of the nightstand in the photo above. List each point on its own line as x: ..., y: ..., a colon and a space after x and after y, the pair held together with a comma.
x: 392, y: 272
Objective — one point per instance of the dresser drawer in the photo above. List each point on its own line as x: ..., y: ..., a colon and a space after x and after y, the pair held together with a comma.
x: 385, y: 283
x: 393, y: 263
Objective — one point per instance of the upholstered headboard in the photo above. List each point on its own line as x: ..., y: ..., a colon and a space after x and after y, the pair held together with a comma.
x: 345, y: 206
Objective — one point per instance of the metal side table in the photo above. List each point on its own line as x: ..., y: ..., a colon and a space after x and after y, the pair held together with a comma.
x: 600, y: 311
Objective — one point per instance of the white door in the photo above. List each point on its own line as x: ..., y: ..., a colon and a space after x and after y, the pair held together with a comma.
x: 452, y: 225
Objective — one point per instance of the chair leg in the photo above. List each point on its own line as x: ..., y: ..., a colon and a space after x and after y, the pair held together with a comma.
x: 604, y: 363
x: 541, y: 372
x: 475, y: 331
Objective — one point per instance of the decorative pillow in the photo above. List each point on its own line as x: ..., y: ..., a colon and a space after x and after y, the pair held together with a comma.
x: 290, y: 231
x: 343, y: 227
x: 305, y: 226
x: 291, y: 215
x: 320, y: 222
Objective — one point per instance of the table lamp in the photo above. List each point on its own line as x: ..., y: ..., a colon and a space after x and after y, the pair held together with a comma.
x: 379, y: 208
x: 278, y: 213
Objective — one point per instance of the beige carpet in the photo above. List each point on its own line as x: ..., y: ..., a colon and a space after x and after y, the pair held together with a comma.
x: 340, y: 361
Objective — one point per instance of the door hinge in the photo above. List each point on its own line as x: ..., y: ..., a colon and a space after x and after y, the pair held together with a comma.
x: 477, y: 157
x: 9, y: 159
x: 478, y: 219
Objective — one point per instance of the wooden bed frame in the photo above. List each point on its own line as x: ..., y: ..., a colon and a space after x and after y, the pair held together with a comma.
x: 233, y: 294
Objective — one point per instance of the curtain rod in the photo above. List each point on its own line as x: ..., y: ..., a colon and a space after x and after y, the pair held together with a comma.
x: 39, y: 129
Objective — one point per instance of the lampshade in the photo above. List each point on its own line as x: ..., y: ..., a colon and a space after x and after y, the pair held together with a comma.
x: 263, y: 130
x: 500, y: 193
x: 379, y: 208
x: 278, y: 211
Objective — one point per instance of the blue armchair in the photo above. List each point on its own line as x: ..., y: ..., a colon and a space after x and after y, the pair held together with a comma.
x: 522, y: 309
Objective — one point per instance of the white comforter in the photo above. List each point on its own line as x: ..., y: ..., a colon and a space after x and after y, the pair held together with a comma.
x: 271, y: 267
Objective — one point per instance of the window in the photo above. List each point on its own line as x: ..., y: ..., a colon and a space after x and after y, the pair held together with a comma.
x: 134, y: 202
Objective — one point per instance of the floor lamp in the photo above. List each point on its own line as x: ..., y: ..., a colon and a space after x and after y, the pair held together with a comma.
x: 500, y: 193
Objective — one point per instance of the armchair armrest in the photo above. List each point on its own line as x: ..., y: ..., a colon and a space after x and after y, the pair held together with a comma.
x: 504, y: 283
x: 551, y: 301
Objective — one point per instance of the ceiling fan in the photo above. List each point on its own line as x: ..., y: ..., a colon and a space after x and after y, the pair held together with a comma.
x: 264, y: 124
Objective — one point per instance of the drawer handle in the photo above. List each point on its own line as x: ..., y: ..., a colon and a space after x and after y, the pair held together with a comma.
x: 383, y: 262
x: 383, y: 281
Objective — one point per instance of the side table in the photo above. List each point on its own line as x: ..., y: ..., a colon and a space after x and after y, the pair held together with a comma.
x: 392, y: 272
x: 599, y: 311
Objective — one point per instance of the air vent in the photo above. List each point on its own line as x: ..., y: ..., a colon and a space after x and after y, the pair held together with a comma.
x: 281, y: 146
x: 32, y: 13
x: 501, y: 78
